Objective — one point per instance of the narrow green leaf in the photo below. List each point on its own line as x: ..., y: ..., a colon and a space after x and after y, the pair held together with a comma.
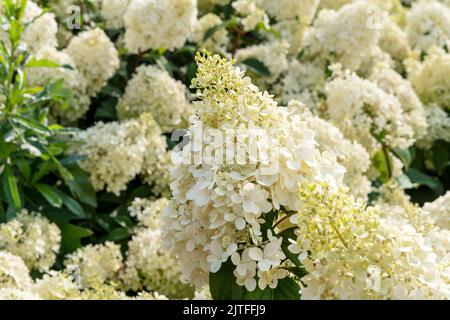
x: 72, y: 204
x: 425, y: 180
x: 50, y: 194
x: 11, y: 188
x: 118, y: 234
x: 31, y: 124
x: 41, y: 63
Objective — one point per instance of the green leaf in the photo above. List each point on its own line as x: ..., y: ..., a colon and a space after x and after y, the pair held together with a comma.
x: 31, y: 124
x: 50, y: 194
x: 287, y: 289
x: 211, y: 31
x: 44, y: 63
x: 72, y: 204
x: 257, y: 66
x: 382, y: 161
x: 71, y: 237
x: 24, y: 168
x: 404, y: 155
x: 118, y: 234
x: 81, y: 186
x: 222, y: 284
x: 441, y: 157
x: 11, y: 188
x: 424, y: 179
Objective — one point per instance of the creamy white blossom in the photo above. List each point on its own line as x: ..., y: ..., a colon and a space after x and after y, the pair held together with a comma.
x: 33, y: 238
x: 154, y: 24
x: 217, y: 205
x: 113, y: 11
x: 428, y: 24
x: 95, y: 57
x: 95, y: 263
x: 14, y: 273
x: 117, y: 152
x: 154, y: 91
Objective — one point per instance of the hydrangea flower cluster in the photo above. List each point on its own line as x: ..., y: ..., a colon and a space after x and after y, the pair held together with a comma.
x: 95, y: 264
x: 147, y: 264
x: 33, y: 238
x: 350, y: 154
x: 354, y: 252
x: 154, y: 91
x: 95, y: 57
x: 116, y: 153
x: 218, y: 209
x: 366, y: 113
x: 152, y: 24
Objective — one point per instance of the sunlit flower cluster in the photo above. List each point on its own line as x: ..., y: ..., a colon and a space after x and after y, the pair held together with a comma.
x: 440, y: 211
x: 366, y: 113
x: 95, y: 263
x: 218, y: 209
x: 116, y: 152
x: 152, y: 24
x: 95, y: 57
x: 154, y: 91
x: 354, y: 252
x: 33, y: 238
x: 428, y: 24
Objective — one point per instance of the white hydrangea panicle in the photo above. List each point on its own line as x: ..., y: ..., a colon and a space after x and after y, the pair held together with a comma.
x: 430, y: 78
x: 148, y: 265
x: 117, y: 152
x: 342, y: 36
x: 148, y: 212
x: 301, y: 10
x: 16, y: 294
x: 367, y: 114
x: 351, y: 251
x: 217, y: 42
x: 73, y: 80
x: 251, y: 14
x: 218, y: 208
x: 41, y: 31
x: 413, y: 110
x: 56, y: 285
x: 14, y: 273
x: 113, y: 11
x: 394, y: 41
x: 350, y: 154
x: 33, y: 238
x: 95, y: 57
x: 440, y: 211
x: 305, y: 82
x: 438, y: 126
x: 272, y: 54
x: 428, y: 25
x: 154, y: 24
x: 93, y: 264
x: 154, y: 91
